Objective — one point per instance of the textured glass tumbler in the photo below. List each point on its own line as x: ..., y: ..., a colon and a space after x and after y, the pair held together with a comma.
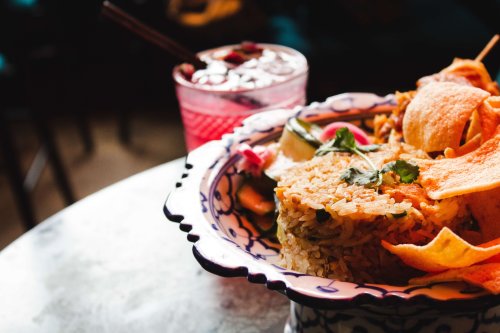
x: 207, y: 114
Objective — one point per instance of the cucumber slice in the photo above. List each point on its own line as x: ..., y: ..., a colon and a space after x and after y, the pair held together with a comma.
x: 306, y: 131
x: 298, y: 140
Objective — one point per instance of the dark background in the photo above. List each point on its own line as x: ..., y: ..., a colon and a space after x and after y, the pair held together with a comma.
x: 63, y: 54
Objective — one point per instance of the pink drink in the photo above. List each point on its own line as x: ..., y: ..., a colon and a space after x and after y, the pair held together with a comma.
x: 215, y: 100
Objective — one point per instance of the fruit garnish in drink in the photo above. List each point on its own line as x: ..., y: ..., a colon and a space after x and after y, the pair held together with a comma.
x: 187, y: 70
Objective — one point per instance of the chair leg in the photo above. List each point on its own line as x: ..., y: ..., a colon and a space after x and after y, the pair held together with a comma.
x: 15, y: 176
x: 54, y: 159
x: 82, y: 125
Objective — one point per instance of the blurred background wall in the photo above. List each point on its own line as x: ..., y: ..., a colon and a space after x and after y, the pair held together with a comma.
x: 352, y: 45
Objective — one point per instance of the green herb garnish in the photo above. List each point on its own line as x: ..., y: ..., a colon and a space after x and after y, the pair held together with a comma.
x: 322, y: 215
x: 407, y: 171
x: 399, y: 215
x: 356, y: 176
x: 344, y: 142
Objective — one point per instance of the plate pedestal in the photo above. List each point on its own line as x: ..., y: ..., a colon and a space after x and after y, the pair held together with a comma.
x: 309, y: 320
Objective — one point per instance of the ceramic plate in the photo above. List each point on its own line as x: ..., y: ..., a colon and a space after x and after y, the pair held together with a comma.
x: 225, y: 243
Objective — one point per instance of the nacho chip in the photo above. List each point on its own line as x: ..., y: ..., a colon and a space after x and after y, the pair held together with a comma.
x: 486, y: 276
x: 474, y: 172
x: 489, y: 117
x: 445, y: 251
x: 449, y: 275
x: 435, y: 119
x: 469, y: 146
x: 485, y: 207
x: 474, y: 126
x: 475, y: 72
x: 495, y: 258
x: 443, y: 77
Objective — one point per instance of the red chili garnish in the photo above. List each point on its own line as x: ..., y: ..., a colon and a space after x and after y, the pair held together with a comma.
x: 187, y: 70
x: 234, y: 57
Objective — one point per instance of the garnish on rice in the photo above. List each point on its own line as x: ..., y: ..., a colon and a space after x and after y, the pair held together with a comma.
x: 344, y: 142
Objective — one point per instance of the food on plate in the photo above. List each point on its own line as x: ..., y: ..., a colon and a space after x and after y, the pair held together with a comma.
x: 329, y: 227
x: 465, y: 72
x: 419, y: 196
x: 436, y: 117
x: 485, y: 207
x: 486, y: 276
x: 476, y: 171
x: 445, y: 251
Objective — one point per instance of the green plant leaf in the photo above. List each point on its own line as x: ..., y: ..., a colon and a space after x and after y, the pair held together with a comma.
x: 408, y: 172
x: 322, y: 215
x: 369, y: 178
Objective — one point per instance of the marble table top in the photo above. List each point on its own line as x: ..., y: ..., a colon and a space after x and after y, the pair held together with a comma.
x: 112, y: 262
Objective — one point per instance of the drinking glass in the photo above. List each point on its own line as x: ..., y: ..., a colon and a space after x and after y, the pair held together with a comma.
x: 224, y: 94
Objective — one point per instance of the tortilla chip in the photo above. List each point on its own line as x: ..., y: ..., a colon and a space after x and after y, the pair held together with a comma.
x: 474, y: 172
x: 489, y: 117
x: 486, y: 276
x: 474, y: 126
x: 485, y: 207
x: 450, y: 275
x: 495, y: 258
x: 469, y: 146
x: 435, y: 119
x: 475, y: 72
x: 445, y: 251
x: 443, y: 77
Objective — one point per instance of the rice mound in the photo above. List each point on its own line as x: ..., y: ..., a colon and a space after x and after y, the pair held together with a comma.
x: 346, y: 244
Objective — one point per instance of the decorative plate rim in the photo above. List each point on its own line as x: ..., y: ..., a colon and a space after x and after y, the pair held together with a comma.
x: 233, y: 264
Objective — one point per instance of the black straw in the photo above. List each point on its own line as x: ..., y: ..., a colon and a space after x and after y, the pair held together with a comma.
x: 117, y: 15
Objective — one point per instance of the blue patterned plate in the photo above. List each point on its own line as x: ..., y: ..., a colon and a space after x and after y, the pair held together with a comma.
x: 225, y: 243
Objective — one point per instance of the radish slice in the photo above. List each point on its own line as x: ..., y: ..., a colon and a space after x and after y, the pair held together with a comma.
x: 250, y: 155
x: 255, y: 159
x: 359, y: 135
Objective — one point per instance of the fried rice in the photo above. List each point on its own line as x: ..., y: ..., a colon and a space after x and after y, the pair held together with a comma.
x: 329, y: 228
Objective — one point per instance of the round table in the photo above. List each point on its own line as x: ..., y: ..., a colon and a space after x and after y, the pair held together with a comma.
x: 112, y: 262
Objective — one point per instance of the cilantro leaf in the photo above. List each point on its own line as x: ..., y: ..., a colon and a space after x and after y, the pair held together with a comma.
x: 343, y: 142
x: 370, y: 178
x: 344, y: 139
x: 408, y: 172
